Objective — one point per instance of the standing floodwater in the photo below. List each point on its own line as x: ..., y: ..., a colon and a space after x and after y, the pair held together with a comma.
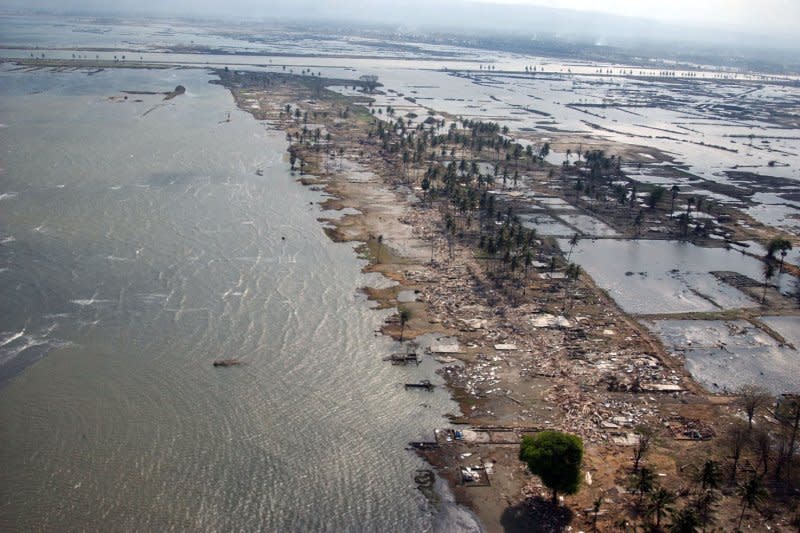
x: 138, y: 245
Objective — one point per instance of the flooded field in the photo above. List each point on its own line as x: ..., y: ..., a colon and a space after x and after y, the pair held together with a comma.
x: 724, y: 355
x: 651, y: 277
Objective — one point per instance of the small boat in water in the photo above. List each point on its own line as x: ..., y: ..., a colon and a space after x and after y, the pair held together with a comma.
x: 227, y: 362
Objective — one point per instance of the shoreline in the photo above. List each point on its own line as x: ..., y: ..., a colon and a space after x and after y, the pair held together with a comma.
x: 551, y: 388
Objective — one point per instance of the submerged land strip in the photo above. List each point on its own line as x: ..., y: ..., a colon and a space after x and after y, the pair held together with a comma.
x: 526, y: 339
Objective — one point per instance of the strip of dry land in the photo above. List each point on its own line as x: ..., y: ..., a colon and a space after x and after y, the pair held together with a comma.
x: 531, y: 342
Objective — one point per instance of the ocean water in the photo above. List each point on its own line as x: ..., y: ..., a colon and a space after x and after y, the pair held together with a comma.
x: 137, y: 246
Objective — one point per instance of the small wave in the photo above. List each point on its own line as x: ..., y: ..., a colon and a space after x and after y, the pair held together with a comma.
x: 232, y: 293
x: 11, y: 337
x: 89, y: 302
x: 153, y: 298
x: 57, y: 315
x: 116, y: 187
x: 4, y: 269
x: 8, y: 239
x: 20, y: 344
x: 118, y: 259
x: 7, y: 195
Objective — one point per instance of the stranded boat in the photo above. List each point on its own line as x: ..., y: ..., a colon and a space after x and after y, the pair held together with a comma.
x: 424, y: 384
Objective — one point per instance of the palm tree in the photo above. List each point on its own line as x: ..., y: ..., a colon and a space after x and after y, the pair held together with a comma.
x: 683, y: 223
x: 684, y: 521
x: 778, y: 244
x: 660, y: 502
x: 573, y: 242
x: 704, y: 505
x: 643, y: 483
x: 710, y: 475
x: 751, y: 493
x: 405, y: 316
x: 573, y: 272
x: 769, y: 273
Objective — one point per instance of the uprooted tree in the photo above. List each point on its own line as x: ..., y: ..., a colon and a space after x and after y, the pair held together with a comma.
x: 556, y: 458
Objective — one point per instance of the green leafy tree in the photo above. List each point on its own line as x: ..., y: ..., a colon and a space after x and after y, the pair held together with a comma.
x: 556, y: 458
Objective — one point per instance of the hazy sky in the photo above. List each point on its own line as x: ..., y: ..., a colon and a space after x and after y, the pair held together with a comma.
x: 765, y: 17
x: 756, y: 15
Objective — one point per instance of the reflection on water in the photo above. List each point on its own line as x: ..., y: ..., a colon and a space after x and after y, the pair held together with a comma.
x: 667, y: 276
x: 724, y: 355
x: 138, y: 248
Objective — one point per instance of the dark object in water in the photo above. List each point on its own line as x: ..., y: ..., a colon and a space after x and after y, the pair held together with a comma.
x: 424, y: 384
x: 179, y: 90
x: 227, y: 362
x: 422, y: 445
x: 403, y: 358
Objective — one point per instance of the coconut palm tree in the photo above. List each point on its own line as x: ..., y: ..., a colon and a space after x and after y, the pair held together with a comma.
x: 751, y: 493
x: 573, y: 242
x: 643, y: 483
x: 769, y: 273
x: 778, y: 244
x: 710, y: 475
x: 660, y: 502
x: 704, y: 506
x: 573, y: 272
x: 684, y: 521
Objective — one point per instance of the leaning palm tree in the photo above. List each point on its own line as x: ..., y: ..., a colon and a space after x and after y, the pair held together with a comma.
x: 573, y: 242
